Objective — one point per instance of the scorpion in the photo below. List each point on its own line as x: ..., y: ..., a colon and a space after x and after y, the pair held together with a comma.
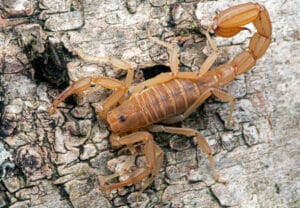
x: 172, y: 96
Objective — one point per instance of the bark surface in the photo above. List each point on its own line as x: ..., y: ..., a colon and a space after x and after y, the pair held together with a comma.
x: 54, y: 161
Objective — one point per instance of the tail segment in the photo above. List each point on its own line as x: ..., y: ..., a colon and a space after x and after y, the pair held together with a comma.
x: 231, y: 21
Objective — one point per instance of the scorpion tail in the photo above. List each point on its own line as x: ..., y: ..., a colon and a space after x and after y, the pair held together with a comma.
x: 230, y: 21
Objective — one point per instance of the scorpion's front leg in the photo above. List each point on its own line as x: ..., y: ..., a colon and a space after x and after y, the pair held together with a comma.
x: 154, y: 160
x: 85, y: 83
x: 109, y: 83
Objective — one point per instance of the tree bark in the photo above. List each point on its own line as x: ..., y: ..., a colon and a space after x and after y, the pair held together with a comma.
x: 55, y: 160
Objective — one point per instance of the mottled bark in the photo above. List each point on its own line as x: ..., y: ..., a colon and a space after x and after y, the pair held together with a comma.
x: 55, y: 161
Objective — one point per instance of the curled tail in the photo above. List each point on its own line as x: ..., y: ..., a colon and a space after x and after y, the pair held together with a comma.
x: 231, y: 21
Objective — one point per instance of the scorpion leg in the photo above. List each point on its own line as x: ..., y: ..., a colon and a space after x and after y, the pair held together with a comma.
x: 191, y: 109
x: 210, y: 60
x: 201, y: 142
x: 173, y: 53
x: 173, y: 57
x: 12, y: 22
x: 154, y: 161
x: 118, y: 63
x: 109, y: 83
x: 174, y: 62
x: 85, y: 83
x: 226, y: 97
x: 115, y: 98
x: 163, y: 77
x: 212, y: 91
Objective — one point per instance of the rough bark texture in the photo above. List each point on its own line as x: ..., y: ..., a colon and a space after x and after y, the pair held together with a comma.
x: 54, y: 161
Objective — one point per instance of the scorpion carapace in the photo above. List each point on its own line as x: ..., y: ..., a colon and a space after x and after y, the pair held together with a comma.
x: 171, y: 97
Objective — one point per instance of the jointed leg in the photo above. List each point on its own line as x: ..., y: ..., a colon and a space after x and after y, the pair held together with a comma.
x: 110, y: 102
x: 211, y: 58
x: 173, y: 53
x: 191, y: 109
x: 120, y: 64
x: 85, y: 83
x: 163, y: 77
x: 201, y: 142
x: 174, y: 63
x: 12, y: 22
x: 154, y: 159
x: 109, y: 83
x: 224, y: 96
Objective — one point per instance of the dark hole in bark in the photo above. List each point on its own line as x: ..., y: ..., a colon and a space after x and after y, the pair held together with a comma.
x: 153, y: 71
x: 51, y: 65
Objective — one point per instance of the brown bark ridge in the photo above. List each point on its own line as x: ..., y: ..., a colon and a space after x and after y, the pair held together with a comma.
x: 54, y: 161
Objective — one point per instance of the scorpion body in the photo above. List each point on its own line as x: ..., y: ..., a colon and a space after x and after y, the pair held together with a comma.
x: 158, y: 103
x: 171, y: 97
x: 166, y: 100
x: 155, y: 104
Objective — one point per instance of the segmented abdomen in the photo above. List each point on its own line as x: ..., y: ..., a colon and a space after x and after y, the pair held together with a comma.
x: 168, y: 99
